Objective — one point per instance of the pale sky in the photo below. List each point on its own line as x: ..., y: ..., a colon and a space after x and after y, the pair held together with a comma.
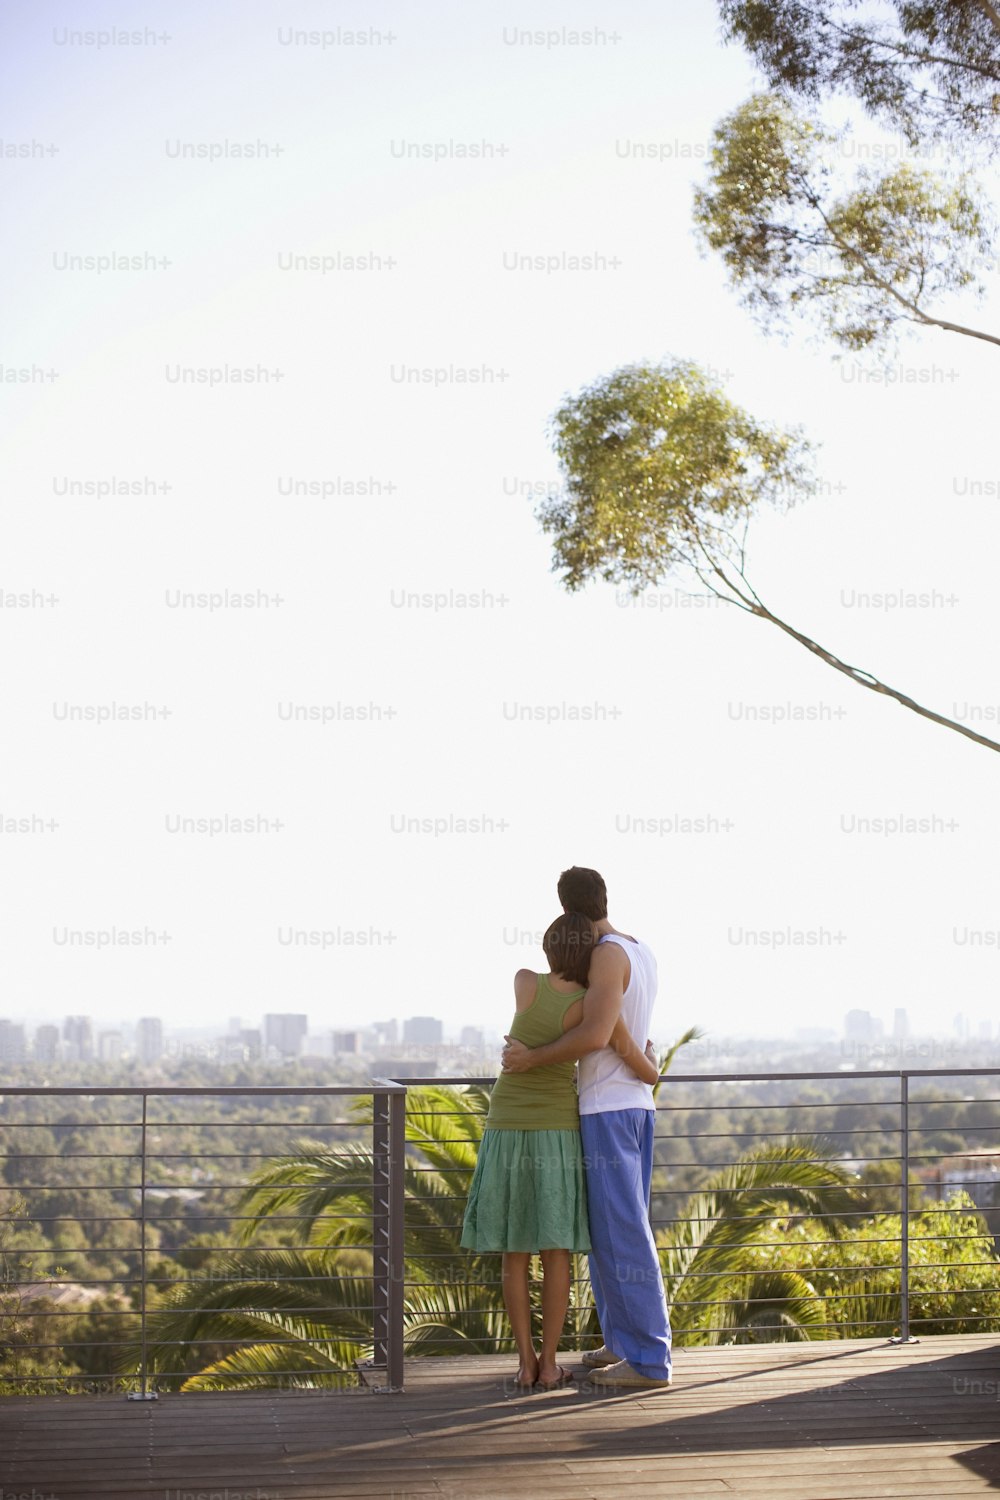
x: 477, y: 706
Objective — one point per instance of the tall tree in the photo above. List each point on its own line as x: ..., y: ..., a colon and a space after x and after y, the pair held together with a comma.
x: 662, y: 471
x: 865, y: 259
x: 929, y: 68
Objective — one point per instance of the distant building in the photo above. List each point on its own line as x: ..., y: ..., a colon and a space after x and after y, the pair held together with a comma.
x: 317, y: 1044
x: 407, y: 1067
x: 347, y: 1041
x: 250, y: 1039
x: 78, y: 1035
x: 284, y: 1033
x: 862, y: 1026
x: 149, y: 1039
x: 109, y: 1046
x: 46, y: 1043
x: 386, y: 1033
x: 423, y: 1031
x: 900, y: 1025
x: 13, y: 1045
x: 472, y: 1037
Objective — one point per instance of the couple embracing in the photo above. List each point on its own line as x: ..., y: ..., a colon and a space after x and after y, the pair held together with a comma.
x: 562, y: 1171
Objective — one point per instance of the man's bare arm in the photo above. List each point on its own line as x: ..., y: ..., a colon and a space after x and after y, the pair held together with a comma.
x: 643, y: 1064
x: 602, y: 1006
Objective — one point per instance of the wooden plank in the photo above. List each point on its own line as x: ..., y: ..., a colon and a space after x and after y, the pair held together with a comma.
x: 847, y: 1421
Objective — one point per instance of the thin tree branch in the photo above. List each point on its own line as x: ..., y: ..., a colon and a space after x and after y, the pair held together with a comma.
x: 990, y: 12
x: 914, y: 54
x: 972, y: 333
x: 865, y: 679
x: 753, y: 604
x: 916, y: 313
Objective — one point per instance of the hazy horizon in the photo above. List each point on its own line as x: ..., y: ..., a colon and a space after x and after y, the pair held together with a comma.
x: 791, y: 846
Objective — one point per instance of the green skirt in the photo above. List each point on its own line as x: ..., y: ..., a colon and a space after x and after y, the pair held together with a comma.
x: 527, y: 1193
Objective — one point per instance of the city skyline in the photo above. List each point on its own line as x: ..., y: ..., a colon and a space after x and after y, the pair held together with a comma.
x: 295, y: 703
x: 289, y: 1035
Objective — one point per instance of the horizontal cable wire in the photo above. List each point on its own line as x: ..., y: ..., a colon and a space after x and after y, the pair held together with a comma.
x: 203, y: 1213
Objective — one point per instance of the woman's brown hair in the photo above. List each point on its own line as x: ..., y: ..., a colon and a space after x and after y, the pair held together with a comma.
x: 568, y: 944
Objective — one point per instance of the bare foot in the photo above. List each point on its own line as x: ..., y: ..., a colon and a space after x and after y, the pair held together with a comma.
x: 527, y: 1373
x: 551, y: 1377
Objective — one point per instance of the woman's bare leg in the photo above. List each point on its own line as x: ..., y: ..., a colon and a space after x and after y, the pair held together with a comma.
x: 555, y: 1302
x: 515, y: 1296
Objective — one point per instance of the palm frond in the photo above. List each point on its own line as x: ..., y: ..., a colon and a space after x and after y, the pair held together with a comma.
x: 272, y: 1295
x: 693, y: 1034
x: 303, y: 1367
x: 768, y: 1307
x: 456, y: 1318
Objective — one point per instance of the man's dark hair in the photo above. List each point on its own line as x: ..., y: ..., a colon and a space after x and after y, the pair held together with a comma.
x: 584, y: 891
x: 568, y: 944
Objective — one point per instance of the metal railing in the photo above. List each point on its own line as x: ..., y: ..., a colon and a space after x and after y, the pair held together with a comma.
x: 898, y: 1128
x: 900, y: 1139
x: 137, y: 1171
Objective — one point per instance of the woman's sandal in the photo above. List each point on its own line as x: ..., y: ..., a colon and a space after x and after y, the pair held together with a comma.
x: 527, y: 1385
x: 563, y: 1378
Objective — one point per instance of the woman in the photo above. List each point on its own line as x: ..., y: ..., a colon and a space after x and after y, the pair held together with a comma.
x: 527, y: 1193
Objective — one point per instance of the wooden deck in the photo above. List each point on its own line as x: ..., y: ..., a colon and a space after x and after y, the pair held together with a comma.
x: 822, y: 1421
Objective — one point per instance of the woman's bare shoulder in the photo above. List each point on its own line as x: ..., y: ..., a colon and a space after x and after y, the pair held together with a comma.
x: 525, y: 987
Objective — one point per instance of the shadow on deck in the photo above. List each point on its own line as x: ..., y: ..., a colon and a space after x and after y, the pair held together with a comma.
x: 818, y: 1421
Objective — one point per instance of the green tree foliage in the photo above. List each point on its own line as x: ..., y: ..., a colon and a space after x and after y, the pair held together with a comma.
x: 884, y: 252
x: 661, y: 468
x: 866, y: 258
x: 316, y: 1296
x: 728, y: 1269
x: 718, y: 1289
x: 663, y: 471
x: 954, y: 1272
x: 246, y: 1303
x: 930, y: 70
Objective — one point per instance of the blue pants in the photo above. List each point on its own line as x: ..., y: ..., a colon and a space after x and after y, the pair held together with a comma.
x: 624, y: 1266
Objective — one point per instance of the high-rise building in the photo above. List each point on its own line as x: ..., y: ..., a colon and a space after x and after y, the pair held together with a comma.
x: 900, y: 1025
x: 149, y: 1039
x: 862, y: 1026
x: 386, y: 1033
x: 283, y: 1033
x: 46, y: 1043
x: 109, y: 1045
x: 423, y: 1031
x: 12, y: 1042
x: 78, y: 1035
x: 346, y: 1041
x: 472, y: 1037
x: 250, y: 1040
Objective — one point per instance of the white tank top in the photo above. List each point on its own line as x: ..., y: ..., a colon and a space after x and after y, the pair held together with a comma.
x: 605, y: 1082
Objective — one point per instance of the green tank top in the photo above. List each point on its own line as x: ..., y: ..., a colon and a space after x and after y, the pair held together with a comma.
x: 545, y: 1098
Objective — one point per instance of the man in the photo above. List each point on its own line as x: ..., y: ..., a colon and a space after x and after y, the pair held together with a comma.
x: 617, y: 1116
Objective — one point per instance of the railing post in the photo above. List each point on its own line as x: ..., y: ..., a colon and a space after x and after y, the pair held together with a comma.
x: 143, y: 1394
x: 397, y: 1260
x: 388, y: 1160
x: 904, y: 1215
